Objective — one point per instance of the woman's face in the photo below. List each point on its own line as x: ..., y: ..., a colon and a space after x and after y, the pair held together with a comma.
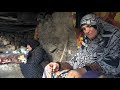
x: 29, y: 48
x: 89, y: 31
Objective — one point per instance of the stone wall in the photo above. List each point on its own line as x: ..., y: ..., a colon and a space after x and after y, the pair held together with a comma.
x: 57, y: 35
x: 12, y: 41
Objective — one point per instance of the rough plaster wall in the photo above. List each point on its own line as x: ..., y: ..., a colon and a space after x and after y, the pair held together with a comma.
x: 56, y: 34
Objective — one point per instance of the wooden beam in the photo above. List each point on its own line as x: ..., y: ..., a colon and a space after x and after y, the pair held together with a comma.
x: 8, y: 18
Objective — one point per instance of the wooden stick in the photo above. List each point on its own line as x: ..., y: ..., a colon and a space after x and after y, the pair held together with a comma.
x: 63, y: 51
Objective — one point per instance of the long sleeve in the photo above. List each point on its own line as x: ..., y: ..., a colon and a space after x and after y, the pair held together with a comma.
x: 64, y: 65
x: 109, y: 62
x: 70, y: 64
x: 73, y: 61
x: 80, y: 59
x: 111, y: 59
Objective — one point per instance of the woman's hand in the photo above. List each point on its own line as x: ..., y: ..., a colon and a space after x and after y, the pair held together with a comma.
x: 52, y: 67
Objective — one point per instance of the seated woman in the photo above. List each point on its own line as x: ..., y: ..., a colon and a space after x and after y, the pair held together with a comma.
x: 98, y: 55
x: 36, y: 56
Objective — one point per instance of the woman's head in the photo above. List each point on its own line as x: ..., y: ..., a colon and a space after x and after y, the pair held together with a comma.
x: 32, y: 44
x: 88, y: 25
x: 89, y: 31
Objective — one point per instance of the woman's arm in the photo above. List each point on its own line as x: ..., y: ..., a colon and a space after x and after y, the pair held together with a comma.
x: 110, y: 60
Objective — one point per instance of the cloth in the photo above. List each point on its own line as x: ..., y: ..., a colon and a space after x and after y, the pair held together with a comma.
x: 91, y: 74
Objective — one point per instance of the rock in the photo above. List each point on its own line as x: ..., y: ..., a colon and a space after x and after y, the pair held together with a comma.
x: 10, y: 71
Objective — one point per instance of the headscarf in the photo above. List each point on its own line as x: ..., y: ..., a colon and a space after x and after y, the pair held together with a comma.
x: 33, y: 43
x: 88, y: 19
x: 100, y: 24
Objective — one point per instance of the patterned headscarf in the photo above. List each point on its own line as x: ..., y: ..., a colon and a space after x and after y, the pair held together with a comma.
x: 102, y: 27
x: 88, y: 19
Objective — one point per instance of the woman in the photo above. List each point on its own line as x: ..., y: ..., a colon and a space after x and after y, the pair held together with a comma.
x: 99, y: 53
x: 37, y: 55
